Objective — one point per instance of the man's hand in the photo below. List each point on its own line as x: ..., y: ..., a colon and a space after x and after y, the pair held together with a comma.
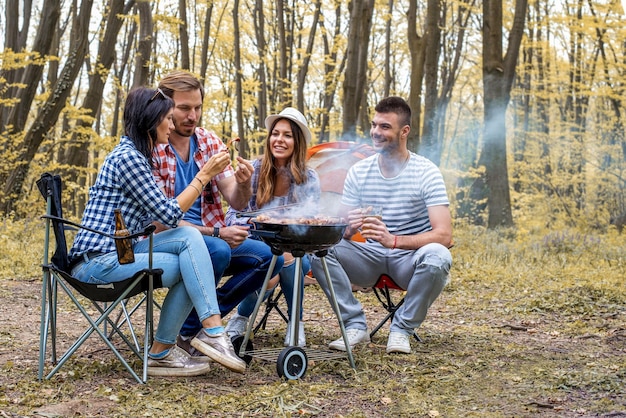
x: 370, y: 227
x: 374, y: 229
x: 234, y: 235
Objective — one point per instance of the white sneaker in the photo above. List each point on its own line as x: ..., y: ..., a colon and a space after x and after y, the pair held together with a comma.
x: 398, y: 342
x: 237, y: 325
x: 301, y: 337
x: 355, y: 336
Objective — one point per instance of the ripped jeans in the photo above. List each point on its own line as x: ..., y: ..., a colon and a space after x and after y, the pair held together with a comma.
x: 423, y: 273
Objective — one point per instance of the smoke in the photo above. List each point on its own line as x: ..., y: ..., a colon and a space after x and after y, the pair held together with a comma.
x: 331, y: 161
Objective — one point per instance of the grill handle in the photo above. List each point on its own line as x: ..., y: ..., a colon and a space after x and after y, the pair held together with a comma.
x: 264, y: 234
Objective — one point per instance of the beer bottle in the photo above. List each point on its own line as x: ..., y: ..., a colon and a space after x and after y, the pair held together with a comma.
x: 124, y: 247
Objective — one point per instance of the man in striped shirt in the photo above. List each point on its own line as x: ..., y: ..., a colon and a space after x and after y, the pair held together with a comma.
x: 410, y: 243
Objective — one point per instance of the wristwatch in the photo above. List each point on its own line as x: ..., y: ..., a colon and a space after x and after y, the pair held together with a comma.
x: 216, y: 232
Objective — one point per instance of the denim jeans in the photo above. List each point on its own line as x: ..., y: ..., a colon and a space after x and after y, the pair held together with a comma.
x: 187, y: 272
x: 423, y: 273
x: 248, y: 266
x: 287, y: 281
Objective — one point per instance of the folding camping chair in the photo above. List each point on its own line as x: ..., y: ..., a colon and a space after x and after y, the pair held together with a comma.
x: 382, y: 290
x: 271, y: 304
x: 105, y: 298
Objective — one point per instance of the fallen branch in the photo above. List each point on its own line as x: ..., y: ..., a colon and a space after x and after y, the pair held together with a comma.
x: 515, y: 327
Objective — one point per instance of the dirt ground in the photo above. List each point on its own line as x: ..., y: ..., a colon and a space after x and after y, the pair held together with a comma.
x: 470, y: 364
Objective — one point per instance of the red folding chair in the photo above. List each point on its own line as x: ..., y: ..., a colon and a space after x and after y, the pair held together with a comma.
x: 382, y: 290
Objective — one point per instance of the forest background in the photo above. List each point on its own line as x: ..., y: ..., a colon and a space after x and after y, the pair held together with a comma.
x: 521, y: 105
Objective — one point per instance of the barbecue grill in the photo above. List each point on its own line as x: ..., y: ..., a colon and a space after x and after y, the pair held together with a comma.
x: 297, y: 238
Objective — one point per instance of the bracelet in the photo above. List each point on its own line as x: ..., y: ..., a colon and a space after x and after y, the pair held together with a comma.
x: 196, y: 178
x: 195, y: 187
x: 395, y: 242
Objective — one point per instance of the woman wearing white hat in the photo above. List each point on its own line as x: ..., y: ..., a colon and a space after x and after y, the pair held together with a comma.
x: 280, y: 178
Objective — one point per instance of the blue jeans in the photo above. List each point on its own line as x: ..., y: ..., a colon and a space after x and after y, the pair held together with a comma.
x: 287, y: 280
x: 423, y: 273
x: 182, y: 254
x: 248, y: 266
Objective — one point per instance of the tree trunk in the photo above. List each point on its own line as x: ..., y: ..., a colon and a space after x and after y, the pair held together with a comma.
x: 75, y: 154
x: 388, y: 32
x: 15, y: 40
x: 32, y: 74
x: 184, y: 35
x: 416, y: 48
x: 50, y: 111
x: 356, y: 65
x: 304, y: 67
x: 332, y: 71
x: 259, y: 30
x: 144, y: 45
x: 243, y: 149
x: 283, y: 85
x: 204, y: 53
x: 430, y: 144
x: 498, y: 74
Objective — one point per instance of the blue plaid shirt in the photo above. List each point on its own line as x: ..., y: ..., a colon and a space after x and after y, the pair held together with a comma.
x: 125, y: 181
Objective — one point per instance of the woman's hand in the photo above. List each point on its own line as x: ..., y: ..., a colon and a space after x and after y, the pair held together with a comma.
x: 215, y: 165
x: 244, y: 170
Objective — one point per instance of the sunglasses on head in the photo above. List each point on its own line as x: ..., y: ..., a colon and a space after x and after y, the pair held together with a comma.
x: 156, y: 94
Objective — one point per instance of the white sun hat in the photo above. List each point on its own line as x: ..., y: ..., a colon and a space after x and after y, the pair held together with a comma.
x: 292, y: 114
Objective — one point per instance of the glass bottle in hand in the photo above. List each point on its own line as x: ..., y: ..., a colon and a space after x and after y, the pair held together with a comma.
x: 124, y: 247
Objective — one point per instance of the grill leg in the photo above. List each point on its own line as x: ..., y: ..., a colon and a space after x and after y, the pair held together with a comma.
x: 259, y: 301
x: 335, y: 306
x: 294, y: 320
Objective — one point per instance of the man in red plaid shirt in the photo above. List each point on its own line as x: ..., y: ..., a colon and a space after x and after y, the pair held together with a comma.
x: 189, y: 148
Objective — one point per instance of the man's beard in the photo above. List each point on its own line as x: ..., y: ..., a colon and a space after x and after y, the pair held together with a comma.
x: 184, y: 130
x: 387, y: 147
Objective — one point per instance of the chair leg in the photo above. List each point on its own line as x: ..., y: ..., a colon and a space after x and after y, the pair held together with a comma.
x: 271, y: 304
x: 123, y: 317
x: 381, y: 323
x: 384, y: 296
x: 94, y: 327
x: 149, y: 327
x: 44, y: 325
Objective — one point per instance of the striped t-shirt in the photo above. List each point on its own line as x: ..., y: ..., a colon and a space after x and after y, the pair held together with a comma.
x: 404, y: 198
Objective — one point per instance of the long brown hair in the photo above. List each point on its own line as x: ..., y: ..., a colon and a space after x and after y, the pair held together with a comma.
x: 269, y: 171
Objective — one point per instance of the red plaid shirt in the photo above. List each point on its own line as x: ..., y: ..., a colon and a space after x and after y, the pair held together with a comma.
x: 165, y: 174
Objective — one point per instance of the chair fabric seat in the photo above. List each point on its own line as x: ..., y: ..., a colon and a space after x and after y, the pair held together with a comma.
x: 110, y: 292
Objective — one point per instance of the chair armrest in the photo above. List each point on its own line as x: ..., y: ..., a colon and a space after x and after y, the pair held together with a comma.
x: 146, y: 231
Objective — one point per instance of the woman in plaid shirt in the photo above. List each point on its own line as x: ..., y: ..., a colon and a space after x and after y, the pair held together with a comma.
x: 125, y: 181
